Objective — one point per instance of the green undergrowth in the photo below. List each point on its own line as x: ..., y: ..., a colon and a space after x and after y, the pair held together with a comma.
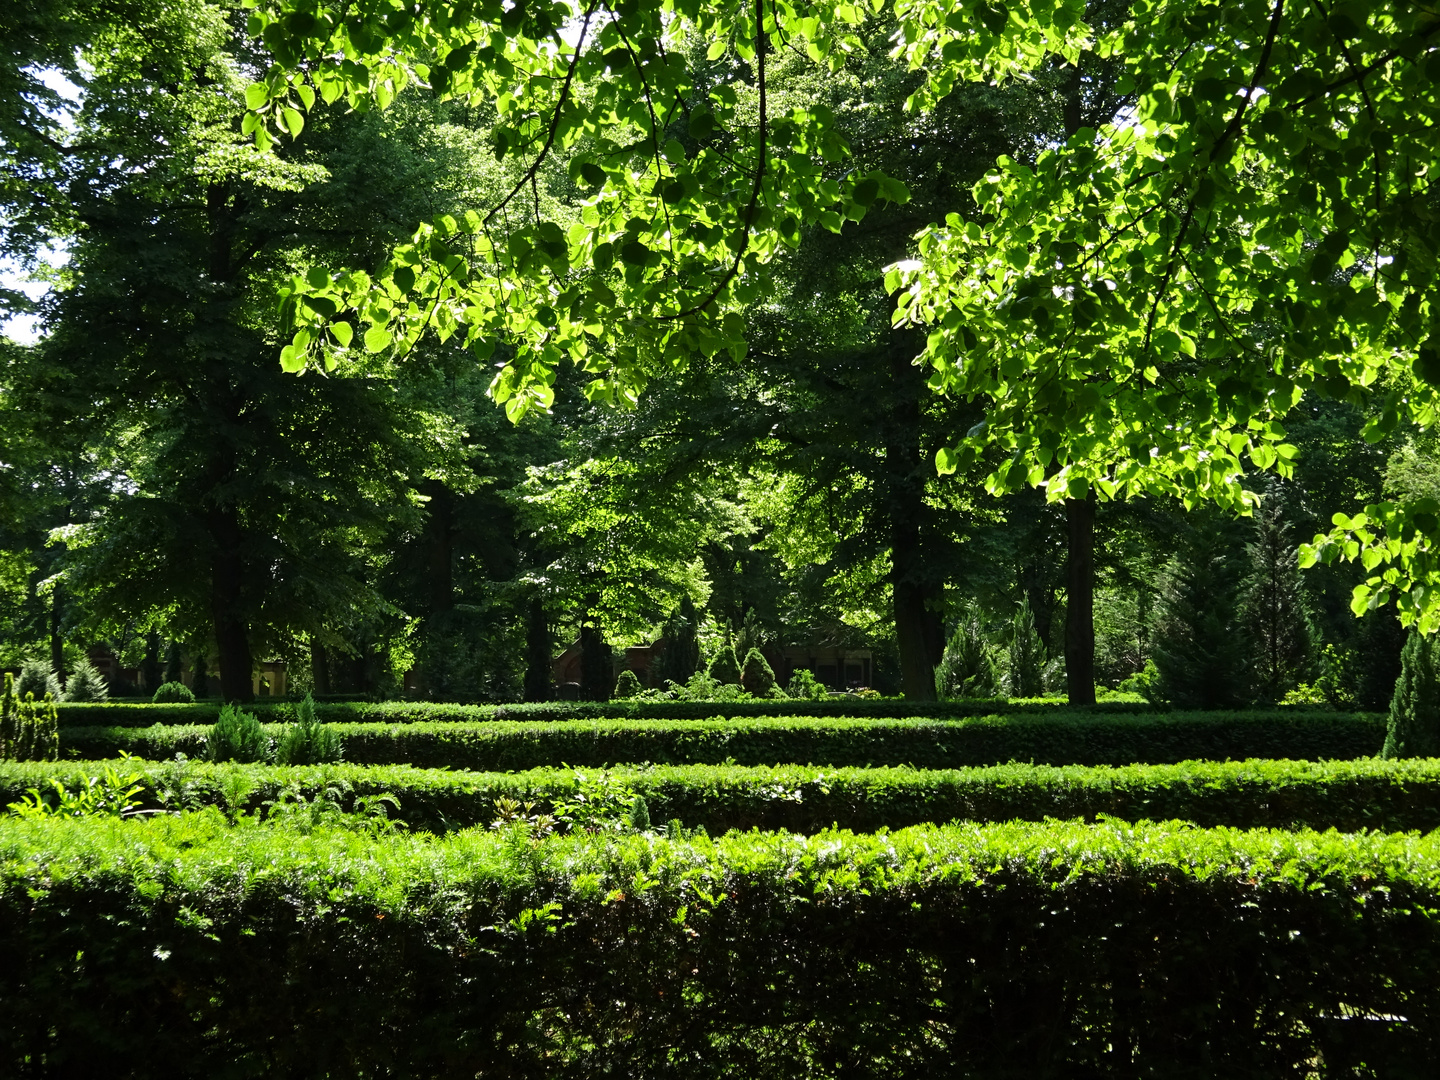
x: 1346, y: 795
x: 1056, y: 739
x: 126, y: 714
x: 184, y: 946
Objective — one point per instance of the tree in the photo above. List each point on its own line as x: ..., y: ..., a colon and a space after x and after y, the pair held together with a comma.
x: 1273, y: 612
x: 1414, y: 725
x: 680, y: 658
x: 1024, y: 677
x: 967, y: 670
x: 1199, y: 647
x: 756, y: 675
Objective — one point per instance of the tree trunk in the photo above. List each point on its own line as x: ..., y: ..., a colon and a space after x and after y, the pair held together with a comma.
x: 439, y: 543
x: 538, y: 662
x: 919, y: 633
x: 319, y: 667
x: 57, y: 643
x: 1080, y: 601
x: 150, y: 666
x: 227, y: 583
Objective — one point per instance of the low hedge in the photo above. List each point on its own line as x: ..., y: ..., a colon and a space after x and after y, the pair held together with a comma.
x: 180, y: 947
x: 1057, y: 739
x: 1345, y: 795
x: 123, y: 714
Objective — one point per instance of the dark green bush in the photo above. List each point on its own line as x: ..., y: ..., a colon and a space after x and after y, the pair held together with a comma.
x: 237, y: 736
x: 173, y: 693
x: 1346, y: 795
x: 85, y: 683
x: 28, y: 729
x: 1057, y: 739
x: 627, y: 686
x: 180, y: 947
x: 756, y: 676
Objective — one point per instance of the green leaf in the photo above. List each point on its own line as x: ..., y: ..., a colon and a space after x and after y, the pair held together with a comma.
x: 292, y: 360
x: 378, y: 339
x: 716, y: 50
x: 343, y: 333
x: 256, y: 95
x: 867, y: 191
x: 946, y: 460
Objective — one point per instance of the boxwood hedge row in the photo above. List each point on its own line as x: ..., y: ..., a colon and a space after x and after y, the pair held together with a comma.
x: 1345, y: 795
x: 1060, y: 738
x: 140, y: 714
x: 182, y: 947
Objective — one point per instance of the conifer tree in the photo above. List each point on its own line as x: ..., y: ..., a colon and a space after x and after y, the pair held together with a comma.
x: 28, y: 728
x: 85, y: 683
x: 1273, y: 612
x: 37, y: 678
x: 307, y: 741
x: 1414, y: 727
x: 757, y: 677
x: 1027, y: 656
x: 966, y: 669
x: 1199, y: 649
x: 724, y: 669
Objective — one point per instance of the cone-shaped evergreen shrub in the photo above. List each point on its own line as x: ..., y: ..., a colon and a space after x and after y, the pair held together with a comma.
x: 307, y: 741
x: 1414, y: 729
x: 37, y: 678
x: 1273, y: 609
x: 757, y: 677
x: 236, y: 736
x: 966, y: 669
x: 627, y: 685
x: 1026, y: 677
x: 640, y: 814
x: 1201, y: 657
x: 172, y: 693
x: 85, y: 683
x: 29, y: 730
x: 724, y: 669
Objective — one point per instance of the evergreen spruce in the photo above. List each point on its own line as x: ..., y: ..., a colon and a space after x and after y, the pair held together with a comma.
x: 757, y: 677
x: 803, y: 686
x: 172, y: 663
x: 627, y: 686
x: 236, y: 736
x: 1201, y: 656
x: 307, y: 741
x: 1026, y: 677
x: 1414, y: 727
x: 966, y: 669
x: 200, y: 678
x: 36, y: 678
x: 680, y: 658
x: 85, y: 683
x: 597, y: 665
x: 1273, y: 612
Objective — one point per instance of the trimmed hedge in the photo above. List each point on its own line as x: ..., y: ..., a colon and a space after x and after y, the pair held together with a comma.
x: 180, y: 947
x: 1058, y: 739
x: 113, y: 714
x: 1347, y: 795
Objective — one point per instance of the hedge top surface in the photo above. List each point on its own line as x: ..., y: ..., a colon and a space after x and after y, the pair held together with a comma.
x: 177, y: 856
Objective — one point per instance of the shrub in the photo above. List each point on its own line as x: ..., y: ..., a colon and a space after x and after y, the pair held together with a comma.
x: 237, y: 736
x: 29, y: 730
x: 1413, y: 729
x: 804, y: 686
x: 307, y: 741
x: 723, y: 669
x: 173, y: 693
x: 966, y: 669
x: 1025, y: 677
x: 85, y: 683
x: 757, y: 677
x: 1009, y: 950
x: 627, y: 686
x: 37, y: 678
x: 680, y: 659
x: 1057, y: 736
x: 1349, y: 796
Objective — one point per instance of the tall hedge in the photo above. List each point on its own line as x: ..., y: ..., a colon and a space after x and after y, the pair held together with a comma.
x: 1058, y: 739
x: 179, y: 947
